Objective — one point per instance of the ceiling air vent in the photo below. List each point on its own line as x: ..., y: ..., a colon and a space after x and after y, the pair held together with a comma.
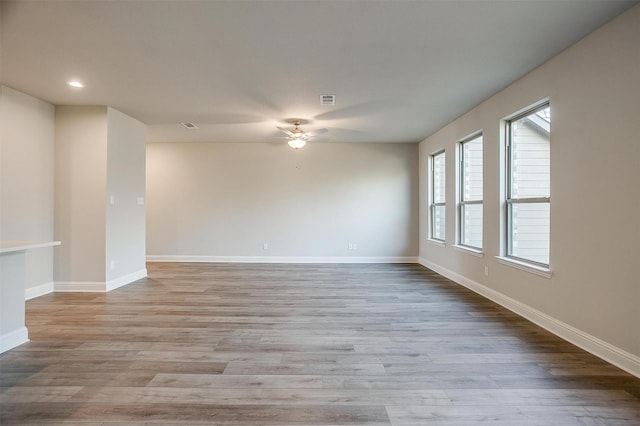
x: 327, y: 99
x: 189, y: 125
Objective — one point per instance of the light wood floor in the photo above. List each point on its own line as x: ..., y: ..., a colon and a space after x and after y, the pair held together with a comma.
x: 238, y: 344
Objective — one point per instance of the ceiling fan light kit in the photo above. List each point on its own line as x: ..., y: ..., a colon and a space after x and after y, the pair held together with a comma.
x: 298, y: 137
x: 297, y: 143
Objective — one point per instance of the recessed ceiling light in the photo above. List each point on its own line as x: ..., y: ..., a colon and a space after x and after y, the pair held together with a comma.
x: 75, y: 83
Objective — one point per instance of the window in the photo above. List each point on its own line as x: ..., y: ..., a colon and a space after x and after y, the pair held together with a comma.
x: 528, y: 137
x: 470, y: 206
x: 438, y: 196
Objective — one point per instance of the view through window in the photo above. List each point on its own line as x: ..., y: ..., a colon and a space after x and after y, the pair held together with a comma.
x: 471, y: 180
x: 528, y: 185
x: 438, y: 196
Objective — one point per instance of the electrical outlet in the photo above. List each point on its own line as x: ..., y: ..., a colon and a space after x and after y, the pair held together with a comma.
x: 355, y: 246
x: 486, y: 271
x: 350, y: 246
x: 112, y: 265
x: 265, y: 246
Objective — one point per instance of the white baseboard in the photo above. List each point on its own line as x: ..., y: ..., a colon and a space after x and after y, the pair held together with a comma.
x: 37, y: 291
x: 13, y: 338
x: 612, y: 354
x: 79, y: 286
x: 278, y: 259
x: 98, y: 286
x: 126, y: 279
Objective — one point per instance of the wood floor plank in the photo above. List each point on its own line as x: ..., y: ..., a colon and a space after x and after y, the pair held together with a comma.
x: 295, y: 344
x: 495, y: 414
x: 229, y: 381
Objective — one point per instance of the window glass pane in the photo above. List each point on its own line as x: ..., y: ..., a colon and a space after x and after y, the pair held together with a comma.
x: 472, y: 170
x: 438, y: 229
x: 471, y: 233
x: 439, y: 183
x: 529, y: 223
x: 530, y: 155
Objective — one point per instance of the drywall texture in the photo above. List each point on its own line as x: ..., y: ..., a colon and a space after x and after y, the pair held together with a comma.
x: 125, y: 217
x: 27, y: 137
x: 231, y: 199
x: 81, y: 185
x: 594, y: 91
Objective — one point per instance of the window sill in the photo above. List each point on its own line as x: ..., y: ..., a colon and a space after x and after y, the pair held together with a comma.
x: 439, y: 243
x: 469, y: 250
x: 527, y: 267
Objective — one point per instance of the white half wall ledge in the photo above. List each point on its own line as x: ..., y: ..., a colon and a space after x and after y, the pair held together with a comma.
x: 14, y: 338
x: 14, y: 246
x: 277, y: 259
x: 97, y: 286
x: 606, y: 351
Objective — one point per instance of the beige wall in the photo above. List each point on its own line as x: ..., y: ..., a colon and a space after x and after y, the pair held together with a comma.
x: 81, y: 184
x: 594, y: 90
x: 26, y: 178
x: 226, y: 200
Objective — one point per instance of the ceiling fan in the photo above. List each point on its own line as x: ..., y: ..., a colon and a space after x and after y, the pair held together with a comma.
x: 298, y: 137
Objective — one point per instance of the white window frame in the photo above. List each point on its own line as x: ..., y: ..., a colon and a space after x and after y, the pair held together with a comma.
x: 432, y: 204
x: 511, y: 201
x: 461, y: 201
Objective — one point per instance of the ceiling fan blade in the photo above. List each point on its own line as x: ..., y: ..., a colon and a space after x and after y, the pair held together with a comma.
x: 285, y: 131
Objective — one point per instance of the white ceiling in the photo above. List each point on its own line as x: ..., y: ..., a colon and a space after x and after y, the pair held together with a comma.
x: 400, y: 69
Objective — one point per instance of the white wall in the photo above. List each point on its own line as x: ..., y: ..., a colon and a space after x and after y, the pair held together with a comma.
x: 26, y: 178
x: 224, y: 200
x: 125, y: 219
x: 594, y: 91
